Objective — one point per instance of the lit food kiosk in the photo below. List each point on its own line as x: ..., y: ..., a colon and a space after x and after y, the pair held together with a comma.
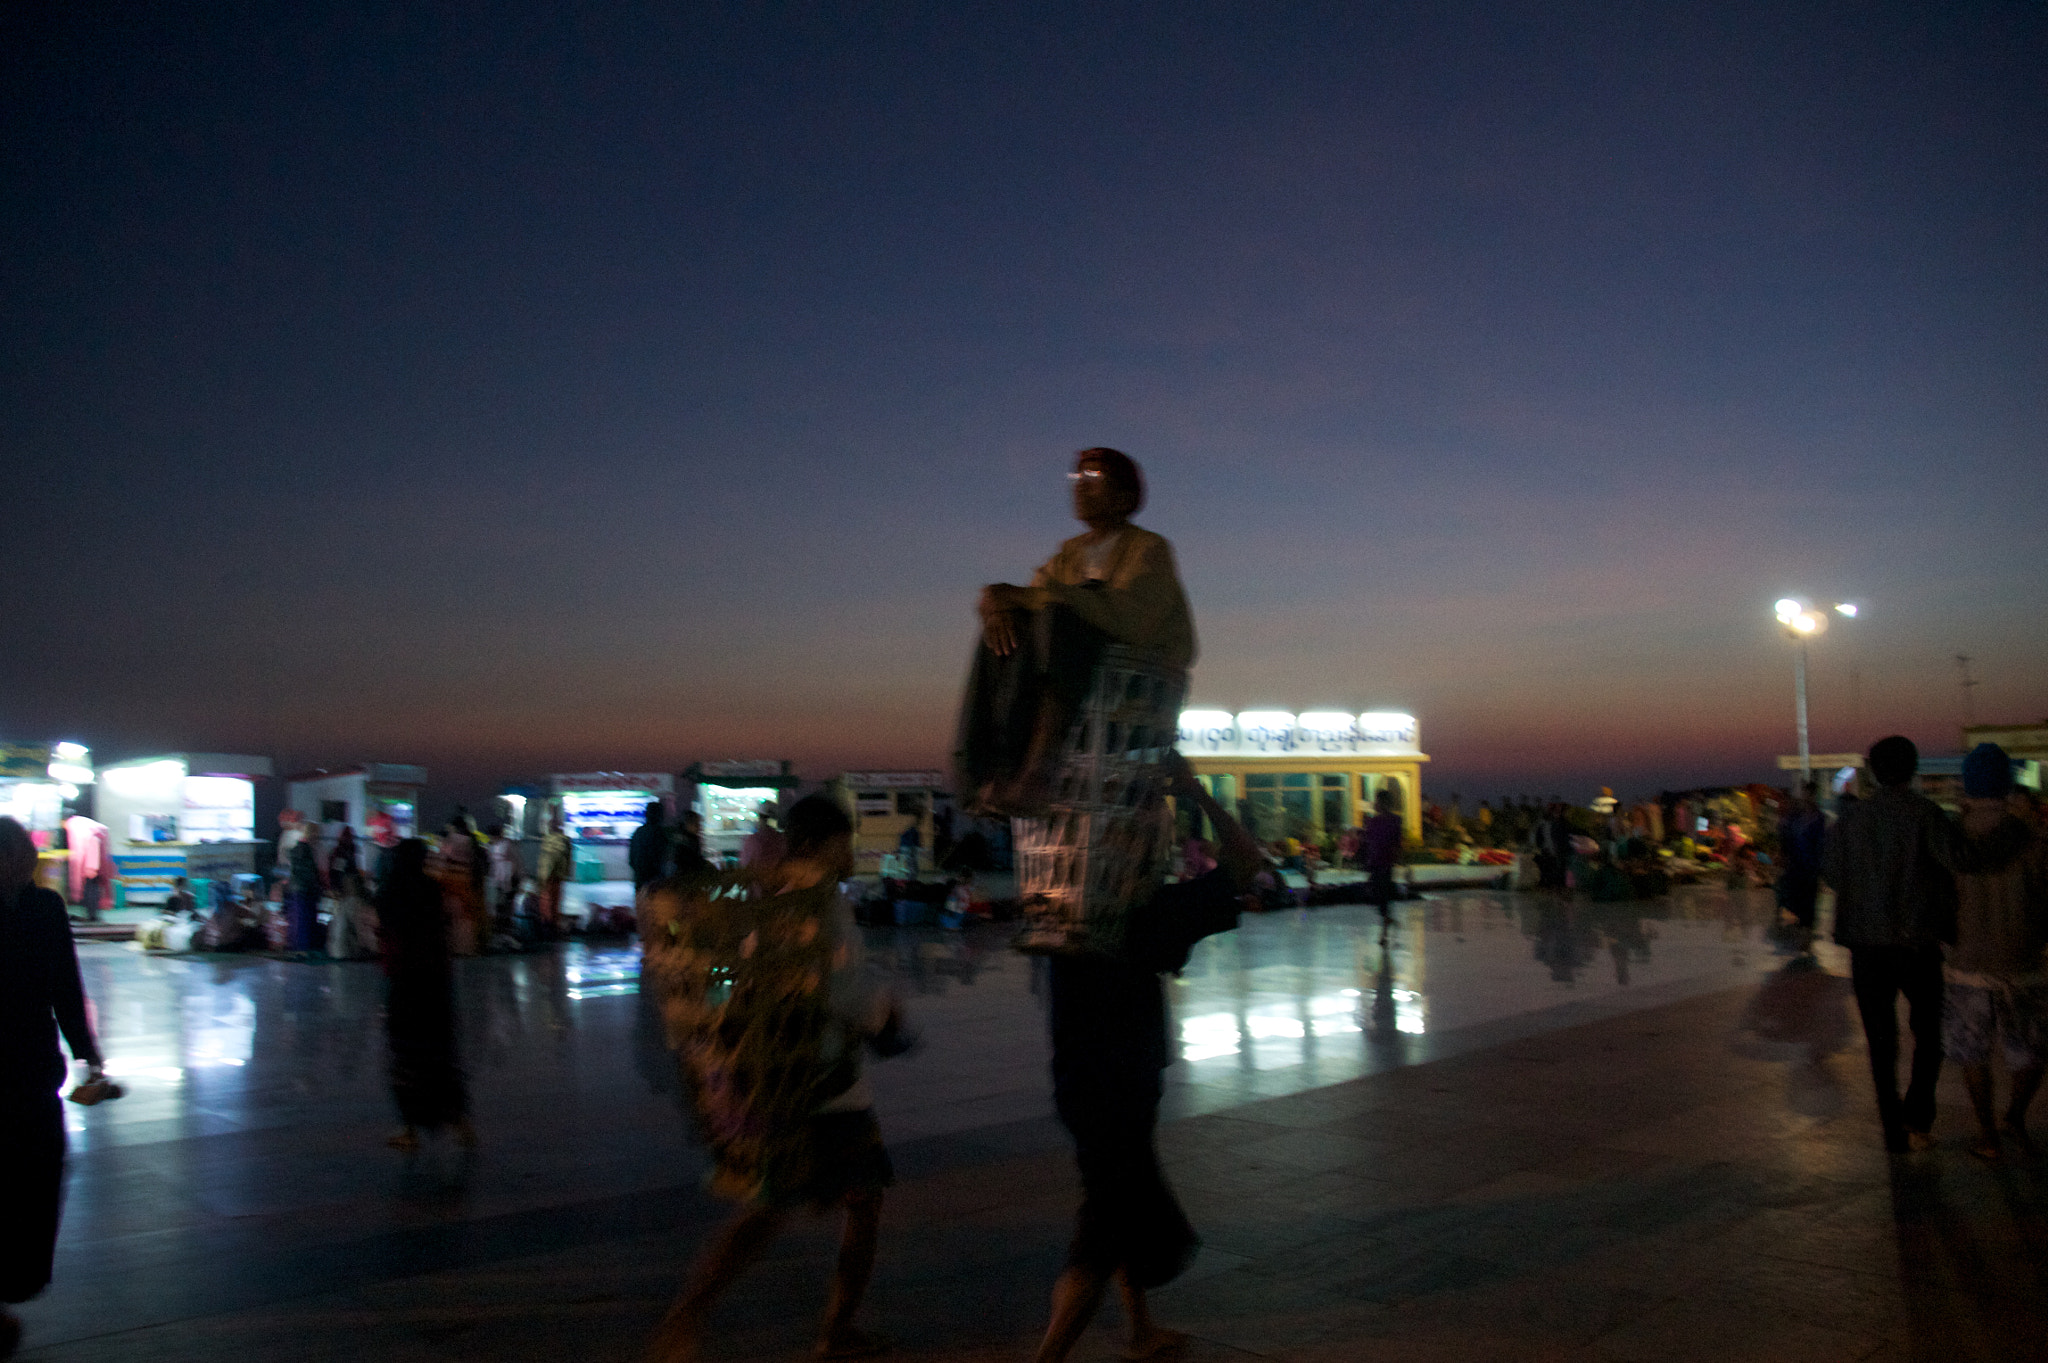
x: 600, y: 811
x: 885, y: 803
x: 729, y: 796
x: 38, y: 781
x: 1307, y: 775
x: 354, y: 796
x: 182, y: 814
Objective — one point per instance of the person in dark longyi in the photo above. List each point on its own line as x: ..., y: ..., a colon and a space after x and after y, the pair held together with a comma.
x: 419, y: 1011
x: 1802, y: 840
x: 40, y: 995
x: 1110, y: 1044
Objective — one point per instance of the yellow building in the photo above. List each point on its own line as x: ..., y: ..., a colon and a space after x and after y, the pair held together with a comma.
x: 1309, y: 775
x: 883, y: 804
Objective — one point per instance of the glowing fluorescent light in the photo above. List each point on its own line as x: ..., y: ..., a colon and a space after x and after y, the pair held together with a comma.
x: 1790, y: 609
x: 1326, y: 721
x: 1198, y: 720
x: 71, y: 752
x: 71, y: 773
x: 159, y: 778
x: 1846, y: 608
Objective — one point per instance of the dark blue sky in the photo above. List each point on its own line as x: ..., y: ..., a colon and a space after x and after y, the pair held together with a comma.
x: 523, y: 388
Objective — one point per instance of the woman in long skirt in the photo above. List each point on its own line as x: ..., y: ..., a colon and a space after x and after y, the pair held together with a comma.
x: 419, y: 1013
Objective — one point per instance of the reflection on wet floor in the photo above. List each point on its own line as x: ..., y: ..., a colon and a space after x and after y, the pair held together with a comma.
x: 1290, y: 1001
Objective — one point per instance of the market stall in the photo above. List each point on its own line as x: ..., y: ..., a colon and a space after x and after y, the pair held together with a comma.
x: 600, y: 810
x: 361, y: 798
x: 40, y: 784
x: 884, y: 805
x: 728, y: 796
x: 180, y: 814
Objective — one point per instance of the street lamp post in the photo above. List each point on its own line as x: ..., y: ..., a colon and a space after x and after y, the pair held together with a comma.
x: 1799, y: 686
x: 1801, y: 623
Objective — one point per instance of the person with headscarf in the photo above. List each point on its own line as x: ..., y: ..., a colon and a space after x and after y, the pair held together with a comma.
x: 344, y: 863
x: 40, y: 995
x: 556, y: 867
x: 1995, y: 970
x: 458, y: 866
x: 303, y: 911
x: 419, y: 1010
x: 1114, y: 583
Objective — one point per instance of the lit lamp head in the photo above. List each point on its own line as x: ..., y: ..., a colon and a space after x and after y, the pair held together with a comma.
x: 1800, y: 620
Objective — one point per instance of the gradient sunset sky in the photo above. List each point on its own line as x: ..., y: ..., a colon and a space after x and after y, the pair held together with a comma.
x: 523, y: 388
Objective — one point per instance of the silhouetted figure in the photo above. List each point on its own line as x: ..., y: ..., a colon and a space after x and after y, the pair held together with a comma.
x: 1996, y: 971
x: 419, y: 1015
x: 303, y: 915
x: 1891, y: 862
x: 1802, y: 847
x: 647, y: 851
x: 40, y: 994
x: 686, y: 848
x: 1110, y: 1042
x: 1380, y: 850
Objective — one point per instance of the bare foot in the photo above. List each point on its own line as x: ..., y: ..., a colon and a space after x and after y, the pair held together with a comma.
x: 1986, y: 1147
x: 407, y: 1141
x: 1156, y: 1341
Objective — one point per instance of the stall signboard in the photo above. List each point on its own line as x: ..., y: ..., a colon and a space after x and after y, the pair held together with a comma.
x: 25, y: 761
x: 219, y: 860
x: 1313, y: 733
x: 604, y: 815
x: 893, y: 780
x: 751, y: 772
x: 657, y: 782
x: 150, y: 873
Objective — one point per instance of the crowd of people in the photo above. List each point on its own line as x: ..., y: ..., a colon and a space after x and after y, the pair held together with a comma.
x: 764, y: 1000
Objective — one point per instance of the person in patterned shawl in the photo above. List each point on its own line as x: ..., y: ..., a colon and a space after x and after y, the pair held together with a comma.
x: 766, y: 1000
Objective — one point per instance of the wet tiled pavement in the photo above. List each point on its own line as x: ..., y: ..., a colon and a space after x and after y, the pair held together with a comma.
x: 1516, y: 1129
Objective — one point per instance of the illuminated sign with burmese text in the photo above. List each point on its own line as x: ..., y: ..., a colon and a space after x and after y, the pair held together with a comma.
x: 1312, y: 733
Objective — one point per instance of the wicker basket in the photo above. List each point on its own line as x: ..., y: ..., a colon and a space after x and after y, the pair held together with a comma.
x: 1105, y: 845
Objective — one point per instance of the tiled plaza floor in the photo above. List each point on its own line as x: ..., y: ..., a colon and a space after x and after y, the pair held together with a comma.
x: 1524, y: 1130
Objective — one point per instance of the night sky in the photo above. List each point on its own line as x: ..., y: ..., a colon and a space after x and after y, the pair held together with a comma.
x: 524, y: 388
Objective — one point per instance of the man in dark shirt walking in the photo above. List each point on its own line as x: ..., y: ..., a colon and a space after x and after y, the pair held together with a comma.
x: 1891, y: 861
